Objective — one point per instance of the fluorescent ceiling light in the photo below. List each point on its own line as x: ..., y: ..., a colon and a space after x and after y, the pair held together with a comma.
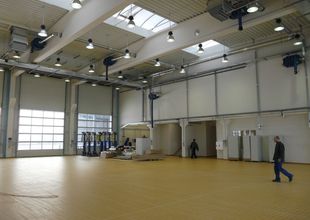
x: 93, y: 84
x: 279, y: 26
x: 1, y: 69
x: 90, y: 44
x: 127, y: 54
x: 170, y: 37
x: 37, y: 75
x: 182, y: 69
x: 16, y: 55
x: 200, y: 49
x: 42, y: 32
x: 67, y: 80
x: 58, y: 62
x: 120, y: 76
x: 131, y: 23
x: 225, y: 59
x: 76, y: 4
x: 91, y: 69
x: 298, y: 40
x: 144, y: 81
x: 116, y: 88
x: 157, y: 62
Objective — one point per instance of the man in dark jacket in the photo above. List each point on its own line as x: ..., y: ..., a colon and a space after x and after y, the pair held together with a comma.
x: 278, y: 158
x: 194, y: 147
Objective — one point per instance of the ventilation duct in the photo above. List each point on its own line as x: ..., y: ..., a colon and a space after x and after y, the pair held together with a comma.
x: 19, y: 40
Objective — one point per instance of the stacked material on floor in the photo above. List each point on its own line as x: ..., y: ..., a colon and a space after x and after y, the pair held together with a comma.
x: 123, y: 153
x: 149, y: 155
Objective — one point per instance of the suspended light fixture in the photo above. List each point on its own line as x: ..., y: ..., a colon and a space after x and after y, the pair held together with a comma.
x: 144, y: 81
x: 93, y: 84
x: 37, y: 75
x: 67, y: 80
x: 16, y: 55
x: 76, y: 4
x: 200, y: 49
x: 170, y: 37
x: 58, y: 62
x: 157, y: 62
x: 120, y: 76
x: 127, y: 54
x: 298, y: 40
x: 91, y: 68
x: 116, y: 88
x: 131, y: 23
x: 43, y: 32
x: 253, y: 7
x: 225, y: 59
x: 90, y: 44
x: 279, y: 26
x: 182, y: 69
x: 1, y: 69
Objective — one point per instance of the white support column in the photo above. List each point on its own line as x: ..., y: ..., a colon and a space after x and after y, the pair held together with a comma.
x: 151, y: 136
x: 13, y: 114
x: 71, y: 115
x: 183, y: 123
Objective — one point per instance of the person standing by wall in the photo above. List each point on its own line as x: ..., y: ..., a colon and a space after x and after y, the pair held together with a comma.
x: 278, y: 158
x: 193, y: 148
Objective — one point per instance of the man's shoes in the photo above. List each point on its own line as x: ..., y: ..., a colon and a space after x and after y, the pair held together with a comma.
x: 290, y: 179
x: 276, y: 181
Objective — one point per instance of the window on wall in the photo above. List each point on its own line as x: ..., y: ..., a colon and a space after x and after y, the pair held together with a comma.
x: 93, y: 123
x: 40, y: 130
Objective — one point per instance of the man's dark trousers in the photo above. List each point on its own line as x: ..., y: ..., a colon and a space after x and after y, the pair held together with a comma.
x: 278, y: 168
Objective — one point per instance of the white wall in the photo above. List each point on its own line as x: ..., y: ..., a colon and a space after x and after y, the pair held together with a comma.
x: 294, y: 129
x: 95, y: 100
x: 131, y: 107
x: 44, y: 93
x: 237, y: 91
x: 167, y: 137
x: 201, y: 98
x: 279, y: 87
x: 172, y: 102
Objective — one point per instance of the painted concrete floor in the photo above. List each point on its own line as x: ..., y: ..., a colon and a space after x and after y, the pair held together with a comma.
x: 80, y: 188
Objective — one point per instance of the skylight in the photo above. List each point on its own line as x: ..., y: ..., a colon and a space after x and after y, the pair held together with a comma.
x: 210, y: 47
x: 65, y: 4
x: 147, y: 23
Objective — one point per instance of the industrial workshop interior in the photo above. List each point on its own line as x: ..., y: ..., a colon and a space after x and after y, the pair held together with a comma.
x: 154, y: 109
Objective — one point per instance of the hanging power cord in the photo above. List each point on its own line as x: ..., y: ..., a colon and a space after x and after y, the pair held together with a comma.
x: 29, y: 196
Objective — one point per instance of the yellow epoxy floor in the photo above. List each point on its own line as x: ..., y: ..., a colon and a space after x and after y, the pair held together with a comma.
x: 175, y: 188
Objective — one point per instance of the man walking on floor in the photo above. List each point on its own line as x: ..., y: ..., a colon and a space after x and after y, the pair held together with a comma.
x: 278, y: 158
x: 194, y: 147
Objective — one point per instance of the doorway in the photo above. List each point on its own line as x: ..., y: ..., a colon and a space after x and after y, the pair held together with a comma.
x: 204, y: 132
